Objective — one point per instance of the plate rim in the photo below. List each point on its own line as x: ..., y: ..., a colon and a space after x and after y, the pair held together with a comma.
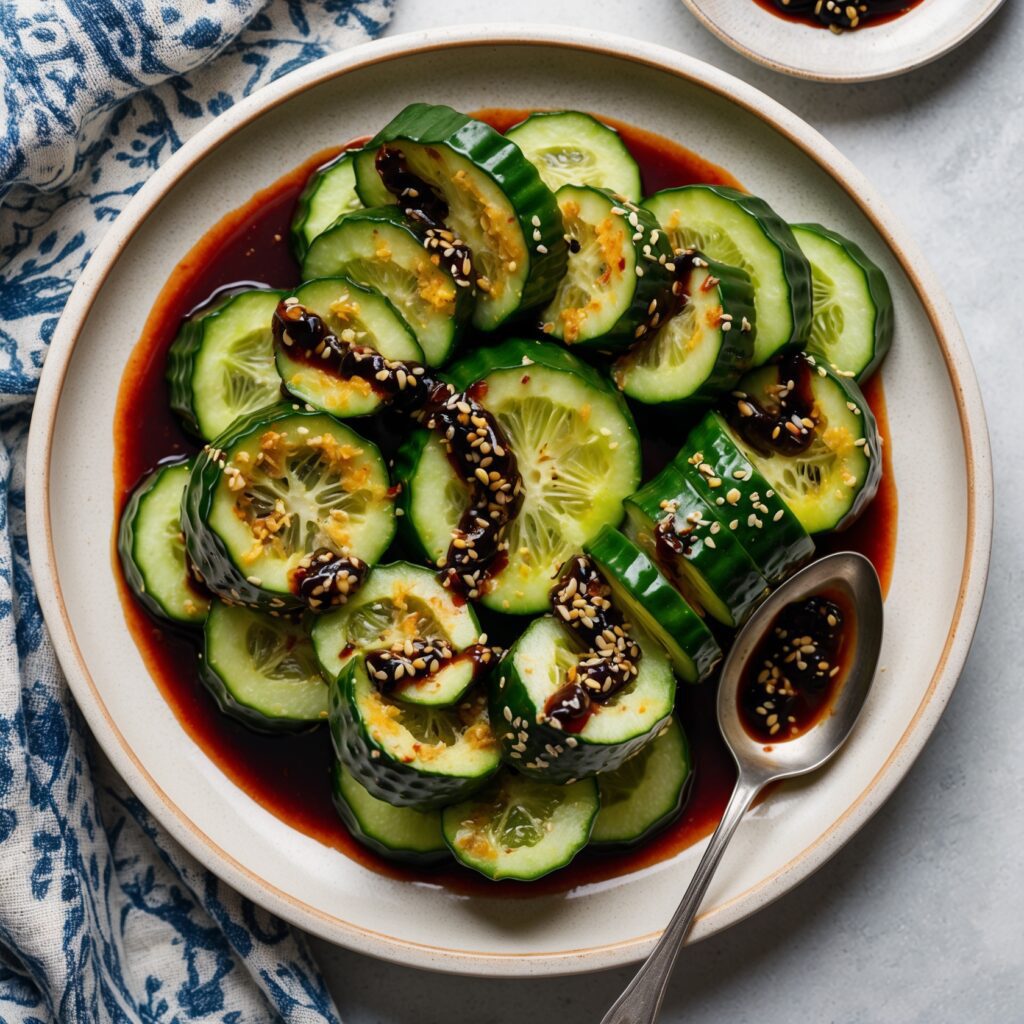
x: 928, y: 292
x: 839, y: 77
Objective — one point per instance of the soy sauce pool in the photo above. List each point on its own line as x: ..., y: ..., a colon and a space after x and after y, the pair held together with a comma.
x: 290, y: 775
x: 867, y: 13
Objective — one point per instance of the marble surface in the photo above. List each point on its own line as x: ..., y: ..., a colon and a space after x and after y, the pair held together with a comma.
x: 919, y: 918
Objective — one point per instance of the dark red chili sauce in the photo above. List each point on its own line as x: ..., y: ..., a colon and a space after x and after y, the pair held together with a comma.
x: 867, y: 13
x: 289, y: 774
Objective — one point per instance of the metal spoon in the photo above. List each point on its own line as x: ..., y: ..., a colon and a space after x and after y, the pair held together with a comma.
x: 853, y: 577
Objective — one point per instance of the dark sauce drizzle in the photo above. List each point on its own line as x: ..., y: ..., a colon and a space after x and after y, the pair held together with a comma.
x: 473, y: 439
x: 582, y: 602
x: 794, y: 671
x: 840, y: 15
x: 324, y: 579
x: 394, y: 668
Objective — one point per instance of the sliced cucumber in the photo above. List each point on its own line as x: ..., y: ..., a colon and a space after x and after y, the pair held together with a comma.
x: 643, y: 593
x: 750, y: 507
x: 744, y: 231
x: 280, y: 485
x: 670, y: 520
x: 351, y: 312
x: 152, y: 549
x: 406, y: 754
x: 705, y: 345
x: 833, y: 478
x: 853, y: 316
x: 400, y: 602
x: 261, y: 670
x: 329, y: 194
x: 399, y: 833
x: 492, y: 198
x: 570, y: 148
x: 578, y: 454
x: 535, y: 669
x: 521, y: 828
x: 617, y: 274
x: 646, y: 793
x: 221, y: 364
x: 380, y: 248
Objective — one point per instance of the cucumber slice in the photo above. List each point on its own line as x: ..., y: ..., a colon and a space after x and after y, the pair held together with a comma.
x: 329, y: 194
x: 399, y: 833
x: 750, y: 508
x: 152, y: 550
x: 534, y: 670
x: 493, y: 199
x: 710, y: 567
x: 282, y: 484
x: 521, y: 828
x: 578, y: 454
x: 616, y: 277
x: 643, y: 593
x: 646, y: 793
x: 221, y: 364
x: 400, y: 602
x: 380, y: 248
x: 834, y: 479
x: 704, y: 347
x: 261, y: 670
x: 744, y: 231
x: 570, y: 148
x: 853, y: 316
x: 346, y: 306
x: 405, y: 754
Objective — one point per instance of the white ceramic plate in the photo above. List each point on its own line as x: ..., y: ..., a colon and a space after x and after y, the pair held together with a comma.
x: 938, y: 438
x: 918, y: 37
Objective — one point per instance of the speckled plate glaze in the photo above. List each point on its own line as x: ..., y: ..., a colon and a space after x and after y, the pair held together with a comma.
x: 922, y: 35
x: 942, y: 466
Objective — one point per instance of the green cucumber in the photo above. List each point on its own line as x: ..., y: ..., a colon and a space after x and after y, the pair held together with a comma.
x: 535, y: 668
x: 617, y: 273
x: 409, y: 755
x: 705, y: 345
x: 221, y: 364
x: 400, y: 602
x: 262, y: 670
x: 852, y: 325
x: 280, y: 484
x: 496, y: 203
x: 152, y: 550
x: 354, y: 313
x: 578, y: 454
x: 520, y: 828
x: 329, y: 194
x: 743, y: 500
x: 643, y: 593
x: 571, y: 148
x: 713, y: 570
x: 743, y: 231
x: 398, y: 833
x: 646, y: 793
x: 382, y: 249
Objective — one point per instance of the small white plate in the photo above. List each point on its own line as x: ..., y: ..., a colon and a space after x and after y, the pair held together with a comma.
x: 937, y: 436
x: 923, y: 34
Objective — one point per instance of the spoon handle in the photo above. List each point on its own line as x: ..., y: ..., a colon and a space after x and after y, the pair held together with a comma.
x: 641, y: 1001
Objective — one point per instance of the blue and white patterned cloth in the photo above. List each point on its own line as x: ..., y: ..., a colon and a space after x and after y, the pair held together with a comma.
x: 102, y: 916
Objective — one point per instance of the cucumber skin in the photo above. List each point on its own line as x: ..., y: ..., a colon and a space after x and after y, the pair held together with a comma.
x: 506, y: 689
x: 305, y: 200
x: 352, y: 823
x: 407, y: 460
x: 126, y: 548
x: 502, y: 161
x: 181, y: 360
x: 878, y: 289
x: 203, y: 545
x: 795, y: 267
x: 383, y: 777
x: 778, y: 548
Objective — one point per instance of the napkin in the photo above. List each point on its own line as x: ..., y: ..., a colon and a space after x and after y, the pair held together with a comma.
x: 103, y: 917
